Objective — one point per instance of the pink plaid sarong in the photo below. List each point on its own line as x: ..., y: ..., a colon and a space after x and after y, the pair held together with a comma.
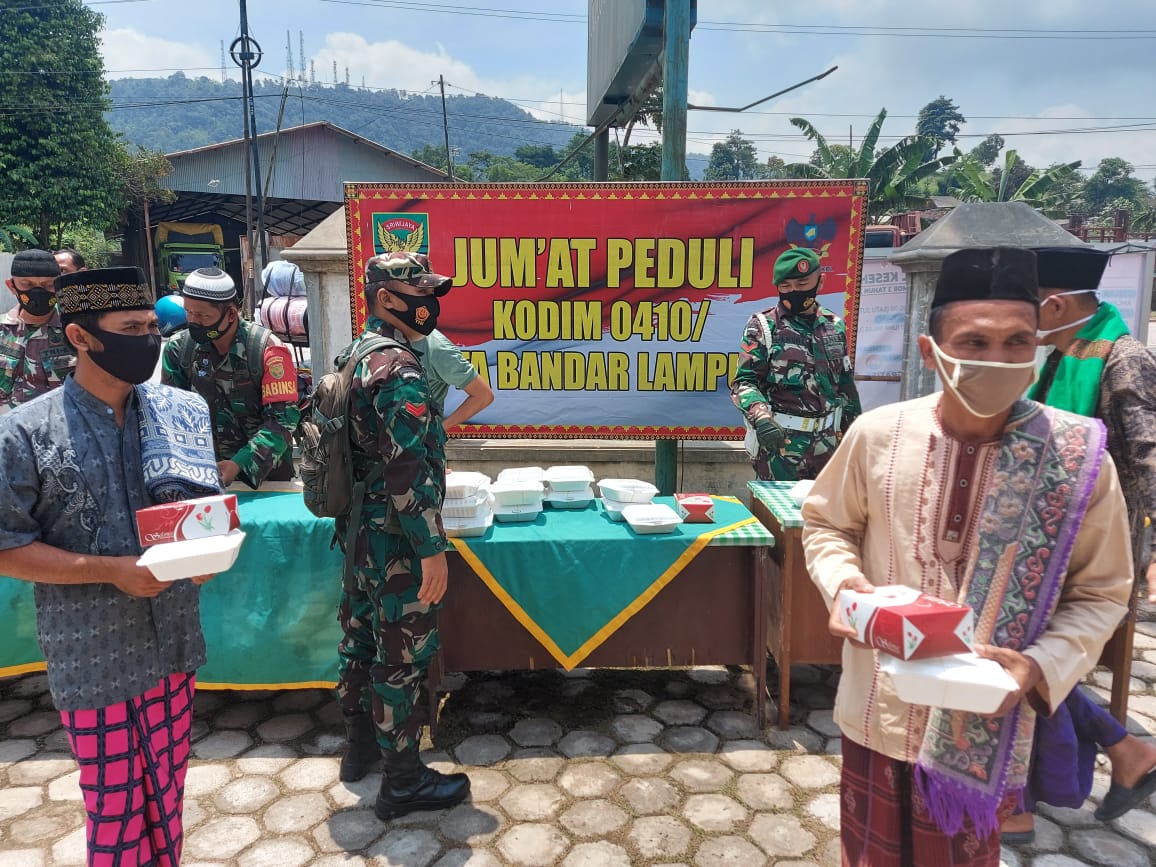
x: 133, y: 757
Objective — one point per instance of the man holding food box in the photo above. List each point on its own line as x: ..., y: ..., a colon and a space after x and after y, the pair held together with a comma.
x: 978, y: 499
x: 122, y: 647
x: 388, y: 612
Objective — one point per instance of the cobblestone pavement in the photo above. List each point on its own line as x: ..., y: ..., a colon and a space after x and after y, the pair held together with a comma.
x: 591, y: 769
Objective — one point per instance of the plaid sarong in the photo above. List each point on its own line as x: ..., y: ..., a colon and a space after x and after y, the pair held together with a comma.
x: 885, y: 823
x: 133, y: 757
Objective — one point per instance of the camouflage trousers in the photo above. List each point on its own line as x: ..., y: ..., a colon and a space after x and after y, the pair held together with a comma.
x: 803, y: 456
x: 389, y: 639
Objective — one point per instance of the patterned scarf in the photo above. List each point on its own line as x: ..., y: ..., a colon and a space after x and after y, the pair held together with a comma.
x: 1071, y: 379
x: 1044, y: 475
x: 176, y: 443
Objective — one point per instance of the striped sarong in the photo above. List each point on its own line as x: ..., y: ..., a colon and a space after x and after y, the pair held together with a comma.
x: 133, y: 757
x: 885, y: 823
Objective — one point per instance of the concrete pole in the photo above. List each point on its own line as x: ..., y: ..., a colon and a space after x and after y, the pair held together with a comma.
x: 675, y: 75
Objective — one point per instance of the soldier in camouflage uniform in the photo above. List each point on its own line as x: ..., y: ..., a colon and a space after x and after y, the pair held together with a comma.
x: 244, y: 373
x: 794, y: 384
x: 389, y: 617
x: 34, y: 356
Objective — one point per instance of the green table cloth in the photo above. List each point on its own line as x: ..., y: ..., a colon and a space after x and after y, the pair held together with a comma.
x: 573, y: 577
x: 776, y: 496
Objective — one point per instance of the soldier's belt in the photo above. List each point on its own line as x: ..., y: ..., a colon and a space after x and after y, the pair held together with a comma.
x: 809, y: 425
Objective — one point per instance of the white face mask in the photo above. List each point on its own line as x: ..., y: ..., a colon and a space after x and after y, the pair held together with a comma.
x: 985, y: 388
x: 1042, y: 333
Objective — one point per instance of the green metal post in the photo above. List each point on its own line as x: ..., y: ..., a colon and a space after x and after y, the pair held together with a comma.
x: 675, y: 75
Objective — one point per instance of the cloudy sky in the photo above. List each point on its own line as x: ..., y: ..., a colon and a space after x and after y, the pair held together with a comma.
x: 1059, y: 79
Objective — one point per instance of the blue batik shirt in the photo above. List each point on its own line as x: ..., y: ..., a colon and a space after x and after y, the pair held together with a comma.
x: 73, y: 480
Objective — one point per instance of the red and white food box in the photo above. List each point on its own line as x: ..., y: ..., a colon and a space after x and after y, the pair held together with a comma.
x: 187, y: 519
x: 908, y: 624
x: 694, y: 508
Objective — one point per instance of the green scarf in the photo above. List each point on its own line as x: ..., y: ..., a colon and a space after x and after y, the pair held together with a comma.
x: 1071, y: 379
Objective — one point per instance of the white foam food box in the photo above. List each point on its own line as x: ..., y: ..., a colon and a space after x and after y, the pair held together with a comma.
x: 461, y: 484
x: 961, y: 681
x: 568, y: 478
x: 801, y: 490
x: 522, y: 513
x: 627, y: 490
x: 570, y: 499
x: 467, y: 507
x: 651, y: 518
x: 189, y: 558
x: 516, y: 492
x: 613, y: 509
x: 522, y: 474
x: 468, y: 527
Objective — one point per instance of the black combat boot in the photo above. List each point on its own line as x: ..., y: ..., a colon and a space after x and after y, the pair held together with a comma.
x: 362, y: 754
x: 408, y: 785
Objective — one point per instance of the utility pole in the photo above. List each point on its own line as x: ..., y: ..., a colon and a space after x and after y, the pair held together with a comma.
x: 246, y: 53
x: 675, y: 75
x: 446, y: 128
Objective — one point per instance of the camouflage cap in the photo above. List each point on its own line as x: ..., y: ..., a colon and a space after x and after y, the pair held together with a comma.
x: 411, y: 268
x: 795, y: 263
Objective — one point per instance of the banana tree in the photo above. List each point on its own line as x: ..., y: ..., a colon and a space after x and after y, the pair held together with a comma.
x: 10, y: 235
x: 893, y: 174
x: 976, y: 185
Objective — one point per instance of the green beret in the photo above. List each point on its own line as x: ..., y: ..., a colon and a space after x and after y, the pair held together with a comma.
x: 796, y: 262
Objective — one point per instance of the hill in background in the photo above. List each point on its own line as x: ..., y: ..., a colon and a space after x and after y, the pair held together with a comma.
x: 178, y: 113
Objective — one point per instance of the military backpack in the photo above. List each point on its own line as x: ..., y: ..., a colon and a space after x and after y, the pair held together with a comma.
x: 326, y: 470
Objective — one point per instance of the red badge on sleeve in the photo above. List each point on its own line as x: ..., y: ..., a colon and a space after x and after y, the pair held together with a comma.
x: 417, y: 410
x: 279, y: 384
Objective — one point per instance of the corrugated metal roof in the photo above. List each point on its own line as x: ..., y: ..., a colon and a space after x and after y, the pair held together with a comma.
x: 302, y: 162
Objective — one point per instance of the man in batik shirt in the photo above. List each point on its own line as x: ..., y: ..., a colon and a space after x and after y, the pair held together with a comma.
x: 974, y: 496
x: 122, y: 647
x: 34, y: 356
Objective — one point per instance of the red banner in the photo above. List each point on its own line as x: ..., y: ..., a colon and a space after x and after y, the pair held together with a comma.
x: 609, y: 310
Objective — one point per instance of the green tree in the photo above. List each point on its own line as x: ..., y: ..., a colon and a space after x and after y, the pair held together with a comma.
x: 776, y: 168
x: 987, y: 151
x: 734, y: 159
x: 13, y: 238
x: 893, y: 174
x: 542, y: 156
x: 1113, y: 180
x: 1038, y: 189
x: 642, y: 162
x: 59, y: 159
x: 939, y: 120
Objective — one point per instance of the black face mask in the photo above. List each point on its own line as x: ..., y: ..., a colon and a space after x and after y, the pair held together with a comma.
x: 130, y: 358
x: 36, y: 301
x: 802, y: 302
x: 206, y: 334
x: 421, y: 312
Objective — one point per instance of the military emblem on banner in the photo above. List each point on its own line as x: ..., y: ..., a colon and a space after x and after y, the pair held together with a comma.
x: 406, y: 233
x: 816, y: 234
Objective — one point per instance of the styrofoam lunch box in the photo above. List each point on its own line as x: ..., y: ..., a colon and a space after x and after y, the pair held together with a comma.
x: 570, y: 499
x: 961, y: 681
x: 460, y: 485
x: 467, y: 507
x: 172, y: 561
x: 468, y: 527
x: 801, y: 490
x: 522, y: 474
x: 627, y: 490
x: 568, y: 478
x: 613, y: 509
x: 521, y: 513
x: 516, y: 493
x: 648, y: 518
